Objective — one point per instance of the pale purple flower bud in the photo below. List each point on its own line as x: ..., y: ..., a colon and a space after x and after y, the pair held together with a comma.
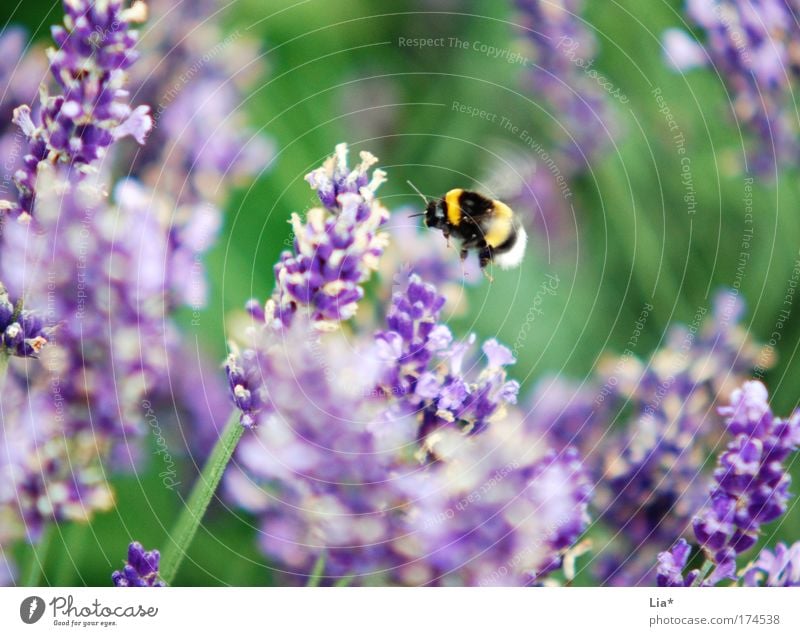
x: 780, y: 568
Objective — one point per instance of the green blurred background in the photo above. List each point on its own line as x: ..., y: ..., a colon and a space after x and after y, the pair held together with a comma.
x: 336, y: 73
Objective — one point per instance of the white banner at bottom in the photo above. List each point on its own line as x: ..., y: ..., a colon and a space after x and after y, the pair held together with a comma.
x: 390, y: 611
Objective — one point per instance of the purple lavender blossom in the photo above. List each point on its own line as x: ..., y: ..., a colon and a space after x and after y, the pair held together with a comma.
x: 496, y: 509
x: 45, y: 474
x: 752, y: 45
x: 105, y: 288
x: 22, y: 332
x: 425, y: 368
x: 336, y: 248
x: 141, y: 569
x: 650, y: 470
x: 562, y: 51
x: 317, y: 469
x: 22, y: 68
x: 780, y: 568
x: 671, y: 564
x: 751, y: 485
x: 76, y: 127
x: 334, y: 468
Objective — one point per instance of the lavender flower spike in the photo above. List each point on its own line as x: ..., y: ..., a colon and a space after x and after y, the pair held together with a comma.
x: 751, y: 484
x: 141, y: 569
x: 336, y: 248
x: 425, y: 369
x: 96, y: 45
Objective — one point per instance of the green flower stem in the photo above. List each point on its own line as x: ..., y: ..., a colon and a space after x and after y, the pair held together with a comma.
x: 316, y: 572
x: 704, y: 572
x: 204, y: 488
x: 35, y: 569
x: 3, y: 368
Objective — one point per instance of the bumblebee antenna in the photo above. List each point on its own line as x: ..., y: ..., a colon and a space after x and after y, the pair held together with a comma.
x: 416, y: 189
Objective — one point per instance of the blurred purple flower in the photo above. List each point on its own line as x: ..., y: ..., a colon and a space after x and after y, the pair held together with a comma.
x: 649, y: 465
x: 22, y: 332
x: 141, y: 569
x: 496, y: 509
x: 753, y: 46
x: 45, y: 474
x: 563, y: 51
x: 315, y: 469
x: 197, y: 79
x: 780, y: 568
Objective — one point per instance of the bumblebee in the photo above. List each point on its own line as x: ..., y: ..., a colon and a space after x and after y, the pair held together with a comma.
x: 478, y: 223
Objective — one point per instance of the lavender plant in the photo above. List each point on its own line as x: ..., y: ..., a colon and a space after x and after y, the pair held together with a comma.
x: 107, y: 270
x: 750, y: 489
x: 646, y: 429
x: 752, y: 46
x: 77, y: 125
x: 372, y: 443
x: 395, y: 457
x: 778, y: 568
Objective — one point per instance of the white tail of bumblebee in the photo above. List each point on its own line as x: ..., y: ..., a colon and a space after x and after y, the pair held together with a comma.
x: 513, y: 257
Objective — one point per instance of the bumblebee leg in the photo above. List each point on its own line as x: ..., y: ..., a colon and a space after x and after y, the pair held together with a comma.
x: 485, y: 257
x: 464, y: 253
